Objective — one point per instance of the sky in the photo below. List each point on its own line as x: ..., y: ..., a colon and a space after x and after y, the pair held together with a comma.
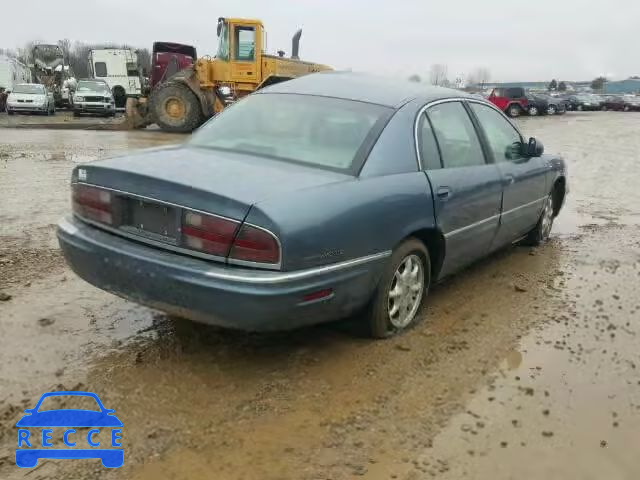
x: 515, y: 40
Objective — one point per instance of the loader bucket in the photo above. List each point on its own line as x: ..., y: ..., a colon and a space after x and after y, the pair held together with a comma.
x: 137, y: 113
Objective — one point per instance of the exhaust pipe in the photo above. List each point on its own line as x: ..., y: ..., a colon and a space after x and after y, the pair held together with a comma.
x: 295, y: 45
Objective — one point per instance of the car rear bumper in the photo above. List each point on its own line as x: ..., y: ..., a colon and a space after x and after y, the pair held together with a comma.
x: 231, y: 297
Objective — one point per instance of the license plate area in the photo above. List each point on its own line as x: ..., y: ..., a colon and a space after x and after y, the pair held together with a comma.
x: 151, y: 220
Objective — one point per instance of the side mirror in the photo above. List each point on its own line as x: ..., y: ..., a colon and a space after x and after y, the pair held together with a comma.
x: 534, y: 148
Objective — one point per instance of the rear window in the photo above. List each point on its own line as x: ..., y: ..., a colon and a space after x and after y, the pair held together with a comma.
x: 324, y: 132
x: 515, y: 92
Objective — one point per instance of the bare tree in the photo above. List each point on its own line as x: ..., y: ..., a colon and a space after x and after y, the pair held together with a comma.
x: 65, y: 46
x: 479, y: 76
x: 415, y: 78
x: 8, y: 52
x: 438, y: 74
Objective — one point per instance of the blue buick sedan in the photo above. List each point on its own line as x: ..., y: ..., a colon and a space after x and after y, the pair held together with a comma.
x: 312, y: 200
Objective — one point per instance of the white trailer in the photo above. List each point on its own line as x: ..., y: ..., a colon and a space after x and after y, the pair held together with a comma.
x: 13, y: 72
x: 119, y: 68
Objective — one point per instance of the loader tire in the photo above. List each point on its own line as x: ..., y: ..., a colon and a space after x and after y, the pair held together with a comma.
x: 175, y: 108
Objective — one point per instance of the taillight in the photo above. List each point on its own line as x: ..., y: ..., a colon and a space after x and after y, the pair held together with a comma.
x: 207, y: 233
x: 92, y: 203
x: 255, y: 245
x: 220, y: 236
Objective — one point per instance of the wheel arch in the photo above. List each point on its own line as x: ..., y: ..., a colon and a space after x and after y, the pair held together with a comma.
x: 433, y: 240
x: 558, y: 193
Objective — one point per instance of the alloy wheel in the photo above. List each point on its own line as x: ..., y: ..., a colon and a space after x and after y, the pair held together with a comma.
x: 406, y: 291
x: 547, y: 218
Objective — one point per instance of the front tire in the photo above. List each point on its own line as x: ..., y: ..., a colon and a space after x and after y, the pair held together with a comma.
x: 551, y: 110
x: 400, y: 295
x: 119, y: 96
x: 175, y: 108
x: 542, y: 230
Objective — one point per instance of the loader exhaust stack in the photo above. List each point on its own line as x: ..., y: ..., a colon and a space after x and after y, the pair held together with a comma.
x: 295, y: 45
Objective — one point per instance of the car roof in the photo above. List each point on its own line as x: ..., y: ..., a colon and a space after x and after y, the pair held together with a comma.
x: 363, y: 87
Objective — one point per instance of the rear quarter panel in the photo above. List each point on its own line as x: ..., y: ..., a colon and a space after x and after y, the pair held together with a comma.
x: 344, y: 221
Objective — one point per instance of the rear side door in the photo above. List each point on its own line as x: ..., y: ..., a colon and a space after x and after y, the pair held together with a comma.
x: 523, y: 177
x: 467, y: 190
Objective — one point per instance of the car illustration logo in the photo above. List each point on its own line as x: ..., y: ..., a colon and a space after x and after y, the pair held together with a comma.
x: 103, y: 429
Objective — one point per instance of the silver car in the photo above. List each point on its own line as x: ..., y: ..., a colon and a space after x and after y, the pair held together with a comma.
x: 93, y: 97
x: 32, y: 98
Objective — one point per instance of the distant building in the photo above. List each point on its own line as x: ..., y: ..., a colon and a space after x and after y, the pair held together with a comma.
x: 631, y: 85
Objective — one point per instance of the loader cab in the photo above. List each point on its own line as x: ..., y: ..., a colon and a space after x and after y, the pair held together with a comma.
x: 240, y: 44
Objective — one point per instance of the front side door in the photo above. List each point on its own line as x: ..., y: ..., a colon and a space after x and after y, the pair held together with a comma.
x: 523, y: 177
x: 466, y: 189
x: 245, y: 53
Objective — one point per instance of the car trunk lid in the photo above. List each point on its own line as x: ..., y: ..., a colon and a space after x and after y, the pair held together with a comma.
x: 151, y: 191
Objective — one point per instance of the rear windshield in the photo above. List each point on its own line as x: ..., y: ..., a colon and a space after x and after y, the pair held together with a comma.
x: 324, y: 132
x: 24, y: 88
x: 92, y: 87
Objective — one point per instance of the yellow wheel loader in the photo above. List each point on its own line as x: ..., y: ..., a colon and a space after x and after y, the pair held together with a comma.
x: 189, y: 97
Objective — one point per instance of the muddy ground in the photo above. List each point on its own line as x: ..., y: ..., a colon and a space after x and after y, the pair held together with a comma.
x: 63, y: 120
x: 525, y: 366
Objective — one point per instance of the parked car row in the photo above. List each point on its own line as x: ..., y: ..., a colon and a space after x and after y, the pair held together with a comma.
x: 515, y: 101
x: 91, y: 97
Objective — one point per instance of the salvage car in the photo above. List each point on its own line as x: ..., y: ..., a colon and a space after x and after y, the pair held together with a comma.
x: 512, y: 100
x: 93, y: 97
x: 30, y: 98
x: 330, y: 196
x: 584, y: 102
x: 539, y: 104
x: 621, y: 103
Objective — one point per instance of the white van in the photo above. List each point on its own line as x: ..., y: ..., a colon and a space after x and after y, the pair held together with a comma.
x: 119, y: 68
x: 13, y: 72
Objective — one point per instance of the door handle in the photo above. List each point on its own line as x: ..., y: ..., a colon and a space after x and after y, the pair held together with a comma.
x: 509, y: 179
x: 444, y: 193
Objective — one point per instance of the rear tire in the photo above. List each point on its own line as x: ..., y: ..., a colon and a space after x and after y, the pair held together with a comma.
x: 514, y: 111
x: 533, y: 111
x: 175, y: 108
x: 10, y: 112
x: 400, y: 295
